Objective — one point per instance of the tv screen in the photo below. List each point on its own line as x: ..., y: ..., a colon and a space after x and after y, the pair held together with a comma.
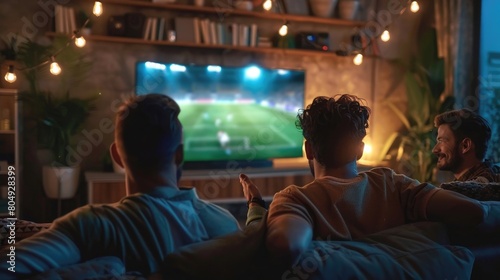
x: 246, y: 114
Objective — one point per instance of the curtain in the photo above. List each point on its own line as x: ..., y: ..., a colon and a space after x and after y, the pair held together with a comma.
x: 454, y: 26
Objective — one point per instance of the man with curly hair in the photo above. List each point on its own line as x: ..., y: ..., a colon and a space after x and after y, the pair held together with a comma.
x: 342, y: 203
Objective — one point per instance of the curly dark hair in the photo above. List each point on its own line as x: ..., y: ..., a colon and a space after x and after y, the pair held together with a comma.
x: 466, y: 123
x: 334, y: 126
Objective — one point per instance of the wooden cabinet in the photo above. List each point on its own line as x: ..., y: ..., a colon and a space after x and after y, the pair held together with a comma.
x: 216, y: 185
x: 220, y: 11
x: 9, y: 154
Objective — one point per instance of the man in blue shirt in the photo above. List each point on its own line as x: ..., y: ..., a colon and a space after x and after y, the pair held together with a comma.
x: 155, y: 218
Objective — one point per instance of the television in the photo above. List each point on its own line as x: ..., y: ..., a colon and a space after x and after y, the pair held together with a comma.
x: 239, y: 115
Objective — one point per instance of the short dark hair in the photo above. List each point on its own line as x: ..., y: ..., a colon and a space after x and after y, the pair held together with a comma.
x: 148, y: 130
x: 466, y: 123
x: 333, y: 125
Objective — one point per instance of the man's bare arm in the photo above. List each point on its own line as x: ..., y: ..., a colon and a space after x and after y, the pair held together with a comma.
x: 287, y: 237
x: 455, y: 209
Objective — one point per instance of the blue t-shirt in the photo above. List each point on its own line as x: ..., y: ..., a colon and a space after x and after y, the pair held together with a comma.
x: 140, y: 229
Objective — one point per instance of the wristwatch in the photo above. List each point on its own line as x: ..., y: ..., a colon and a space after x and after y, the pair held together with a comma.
x: 258, y: 201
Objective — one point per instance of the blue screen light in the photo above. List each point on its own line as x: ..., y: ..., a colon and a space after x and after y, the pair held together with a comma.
x: 252, y: 72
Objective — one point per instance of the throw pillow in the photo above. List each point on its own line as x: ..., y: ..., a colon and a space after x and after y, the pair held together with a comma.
x: 22, y: 230
x: 480, y: 191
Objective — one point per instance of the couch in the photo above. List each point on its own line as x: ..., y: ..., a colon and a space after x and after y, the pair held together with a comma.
x: 424, y: 250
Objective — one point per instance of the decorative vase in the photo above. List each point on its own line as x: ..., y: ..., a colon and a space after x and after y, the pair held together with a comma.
x: 323, y: 8
x: 348, y: 9
x: 60, y: 182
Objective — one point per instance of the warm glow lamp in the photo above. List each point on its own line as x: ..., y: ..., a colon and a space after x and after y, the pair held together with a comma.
x: 10, y: 76
x: 283, y: 30
x: 97, y: 10
x: 358, y: 59
x: 414, y: 7
x: 80, y: 41
x: 55, y: 69
x: 386, y: 36
x: 268, y: 5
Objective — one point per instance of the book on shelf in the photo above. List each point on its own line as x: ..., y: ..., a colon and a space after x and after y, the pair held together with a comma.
x: 161, y: 29
x: 147, y: 29
x: 253, y: 35
x: 205, y: 31
x: 197, y: 30
x: 154, y: 28
x: 64, y: 19
x: 213, y: 33
x: 243, y: 35
x: 185, y: 29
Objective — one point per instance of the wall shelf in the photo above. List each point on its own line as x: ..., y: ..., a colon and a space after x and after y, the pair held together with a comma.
x: 128, y: 40
x: 226, y: 10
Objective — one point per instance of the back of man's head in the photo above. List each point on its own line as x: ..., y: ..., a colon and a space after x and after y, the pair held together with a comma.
x: 335, y: 127
x: 148, y: 131
x: 467, y: 124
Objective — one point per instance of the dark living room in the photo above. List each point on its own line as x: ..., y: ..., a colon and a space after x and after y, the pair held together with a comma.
x: 240, y: 71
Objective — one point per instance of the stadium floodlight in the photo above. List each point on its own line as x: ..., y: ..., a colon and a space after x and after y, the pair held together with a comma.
x: 252, y: 72
x: 177, y: 68
x: 214, y: 68
x: 154, y: 65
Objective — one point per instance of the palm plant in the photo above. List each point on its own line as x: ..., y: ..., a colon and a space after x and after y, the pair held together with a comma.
x: 57, y: 117
x: 412, y: 146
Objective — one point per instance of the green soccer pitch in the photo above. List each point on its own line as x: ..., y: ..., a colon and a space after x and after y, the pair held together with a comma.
x: 255, y: 132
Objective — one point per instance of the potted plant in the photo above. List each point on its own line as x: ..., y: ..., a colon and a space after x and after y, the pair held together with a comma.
x: 56, y: 117
x: 411, y: 148
x: 83, y: 21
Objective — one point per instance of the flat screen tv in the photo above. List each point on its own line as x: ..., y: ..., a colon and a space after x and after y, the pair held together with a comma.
x: 244, y: 115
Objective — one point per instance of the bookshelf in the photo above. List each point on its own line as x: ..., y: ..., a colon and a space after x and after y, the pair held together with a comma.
x: 222, y: 10
x: 9, y: 153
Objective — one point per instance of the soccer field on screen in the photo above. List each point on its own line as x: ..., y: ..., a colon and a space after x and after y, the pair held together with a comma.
x: 254, y: 132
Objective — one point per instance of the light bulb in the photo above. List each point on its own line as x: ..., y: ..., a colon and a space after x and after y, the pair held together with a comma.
x: 55, y: 69
x: 358, y: 59
x: 10, y: 76
x: 80, y: 42
x: 385, y: 36
x: 283, y: 30
x: 97, y: 8
x: 268, y: 5
x: 414, y: 7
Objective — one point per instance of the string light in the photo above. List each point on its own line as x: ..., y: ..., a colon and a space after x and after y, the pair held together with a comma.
x: 80, y: 41
x: 358, y: 59
x: 283, y: 30
x: 268, y: 5
x: 97, y: 10
x: 386, y: 36
x: 414, y: 7
x: 10, y: 76
x: 55, y: 69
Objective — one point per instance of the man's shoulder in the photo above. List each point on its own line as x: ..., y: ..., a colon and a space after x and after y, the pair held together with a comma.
x: 379, y: 171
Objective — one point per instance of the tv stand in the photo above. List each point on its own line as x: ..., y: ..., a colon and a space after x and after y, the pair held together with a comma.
x: 233, y: 164
x: 215, y: 185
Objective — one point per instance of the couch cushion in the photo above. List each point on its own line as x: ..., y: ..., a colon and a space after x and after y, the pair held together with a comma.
x: 98, y: 268
x: 413, y: 251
